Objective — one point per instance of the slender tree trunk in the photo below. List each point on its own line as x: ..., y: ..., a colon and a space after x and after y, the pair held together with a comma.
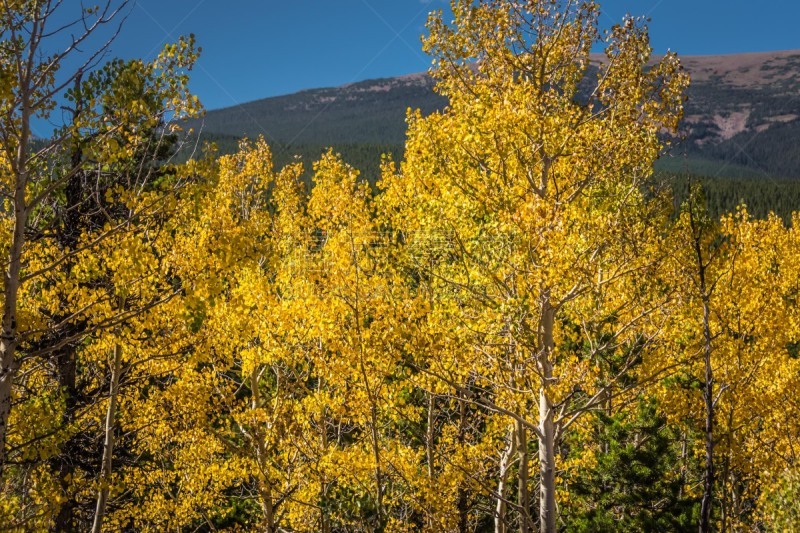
x: 506, y: 460
x: 108, y: 443
x: 64, y: 463
x: 462, y: 502
x: 684, y: 463
x: 11, y: 283
x: 726, y: 490
x: 547, y: 455
x: 377, y: 454
x: 708, y: 394
x: 523, y: 478
x: 324, y: 519
x: 8, y: 337
x: 547, y: 460
x: 736, y: 503
x: 264, y: 485
x: 267, y: 508
x: 373, y: 407
x: 724, y: 504
x: 66, y: 357
x: 430, y: 435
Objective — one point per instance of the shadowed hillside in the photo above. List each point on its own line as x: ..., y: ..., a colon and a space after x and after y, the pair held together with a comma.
x: 370, y: 112
x: 743, y: 112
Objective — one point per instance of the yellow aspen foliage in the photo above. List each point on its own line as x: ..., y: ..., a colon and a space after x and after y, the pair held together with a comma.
x: 509, y: 332
x: 220, y: 434
x: 750, y: 272
x: 529, y: 193
x: 81, y: 227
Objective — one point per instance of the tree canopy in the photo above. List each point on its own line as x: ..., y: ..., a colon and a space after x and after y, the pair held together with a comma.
x: 511, y: 330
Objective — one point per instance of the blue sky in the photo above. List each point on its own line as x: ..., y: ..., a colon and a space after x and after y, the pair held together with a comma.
x: 258, y: 48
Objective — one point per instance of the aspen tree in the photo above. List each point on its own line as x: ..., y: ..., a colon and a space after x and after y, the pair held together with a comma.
x: 67, y: 195
x: 533, y: 172
x: 732, y: 327
x: 30, y: 91
x: 360, y: 298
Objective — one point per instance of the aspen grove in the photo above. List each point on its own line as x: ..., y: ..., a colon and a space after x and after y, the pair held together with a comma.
x: 512, y: 330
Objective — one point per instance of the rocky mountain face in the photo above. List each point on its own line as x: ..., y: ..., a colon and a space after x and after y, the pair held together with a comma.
x: 742, y: 115
x: 745, y: 110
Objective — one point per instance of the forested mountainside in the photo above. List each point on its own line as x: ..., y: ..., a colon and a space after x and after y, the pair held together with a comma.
x: 742, y: 116
x: 370, y: 111
x: 744, y: 110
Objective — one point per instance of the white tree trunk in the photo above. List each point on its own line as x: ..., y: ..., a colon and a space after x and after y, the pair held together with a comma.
x: 108, y: 443
x: 547, y: 466
x: 523, y: 494
x: 11, y: 284
x: 547, y: 456
x: 506, y: 460
x: 264, y: 483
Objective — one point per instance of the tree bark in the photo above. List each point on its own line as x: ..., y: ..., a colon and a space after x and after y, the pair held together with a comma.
x: 708, y: 397
x: 547, y: 496
x: 8, y: 337
x: 376, y: 452
x: 501, y: 510
x: 547, y: 459
x: 11, y: 280
x: 264, y: 485
x: 108, y: 443
x: 324, y: 519
x: 430, y: 435
x: 708, y: 388
x: 523, y: 478
x: 462, y: 498
x: 72, y: 452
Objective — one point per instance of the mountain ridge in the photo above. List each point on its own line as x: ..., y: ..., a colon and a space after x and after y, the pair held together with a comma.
x: 742, y: 110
